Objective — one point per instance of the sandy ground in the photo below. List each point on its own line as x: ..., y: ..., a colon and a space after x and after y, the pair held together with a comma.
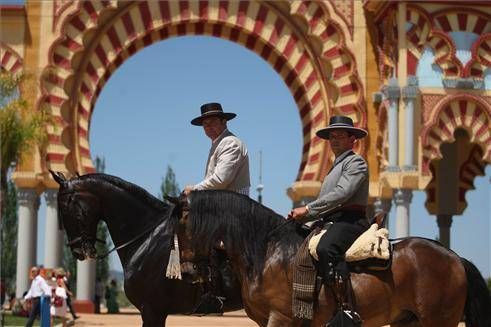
x: 131, y: 317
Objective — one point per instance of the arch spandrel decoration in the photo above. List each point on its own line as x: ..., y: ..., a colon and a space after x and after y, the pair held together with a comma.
x: 10, y: 60
x: 461, y: 111
x: 312, y: 58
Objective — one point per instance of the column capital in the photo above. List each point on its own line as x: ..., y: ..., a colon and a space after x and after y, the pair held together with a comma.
x: 403, y: 196
x: 28, y: 197
x: 409, y: 93
x: 392, y: 91
x: 411, y: 90
x: 51, y: 196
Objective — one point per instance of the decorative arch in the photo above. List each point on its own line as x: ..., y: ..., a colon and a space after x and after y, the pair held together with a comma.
x: 433, y: 30
x: 10, y: 60
x: 299, y: 40
x: 471, y: 166
x: 423, y: 32
x: 461, y: 111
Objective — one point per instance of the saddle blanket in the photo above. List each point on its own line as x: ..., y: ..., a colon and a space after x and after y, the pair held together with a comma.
x: 373, y: 243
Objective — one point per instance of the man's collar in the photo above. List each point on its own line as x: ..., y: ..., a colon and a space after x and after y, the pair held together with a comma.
x: 342, y: 156
x: 225, y: 131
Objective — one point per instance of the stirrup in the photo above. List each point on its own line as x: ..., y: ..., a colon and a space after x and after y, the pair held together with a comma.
x: 355, y: 316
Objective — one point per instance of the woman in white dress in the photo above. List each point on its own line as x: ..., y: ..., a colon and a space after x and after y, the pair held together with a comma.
x: 58, y: 302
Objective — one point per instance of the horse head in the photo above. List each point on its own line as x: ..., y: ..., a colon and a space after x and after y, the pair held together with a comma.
x: 79, y: 212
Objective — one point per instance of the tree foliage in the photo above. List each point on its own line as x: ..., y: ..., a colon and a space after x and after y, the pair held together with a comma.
x: 169, y: 184
x: 9, y: 238
x: 20, y: 127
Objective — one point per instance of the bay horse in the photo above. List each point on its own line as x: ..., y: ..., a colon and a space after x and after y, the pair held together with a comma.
x: 143, y: 228
x: 426, y: 285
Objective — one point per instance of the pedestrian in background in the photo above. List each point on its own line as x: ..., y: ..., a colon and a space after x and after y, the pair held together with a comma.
x: 39, y: 287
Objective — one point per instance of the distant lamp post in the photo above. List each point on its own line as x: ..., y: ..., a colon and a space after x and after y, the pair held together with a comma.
x: 260, y: 186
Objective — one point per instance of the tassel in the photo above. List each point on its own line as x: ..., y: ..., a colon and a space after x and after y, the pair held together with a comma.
x: 174, y: 265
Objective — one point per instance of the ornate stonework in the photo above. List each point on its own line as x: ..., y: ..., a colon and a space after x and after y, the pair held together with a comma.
x: 275, y: 34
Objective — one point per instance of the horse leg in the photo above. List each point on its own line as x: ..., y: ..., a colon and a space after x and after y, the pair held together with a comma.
x: 152, y: 317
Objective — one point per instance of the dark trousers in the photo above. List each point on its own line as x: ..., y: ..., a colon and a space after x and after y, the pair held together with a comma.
x: 69, y: 305
x: 333, y: 246
x: 35, y: 311
x: 97, y: 304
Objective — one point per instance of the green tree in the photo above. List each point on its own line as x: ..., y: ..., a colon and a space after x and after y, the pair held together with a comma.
x: 9, y: 238
x: 169, y: 185
x: 20, y: 128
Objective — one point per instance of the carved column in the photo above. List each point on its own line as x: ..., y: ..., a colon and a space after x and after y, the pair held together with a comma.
x: 444, y: 224
x: 28, y: 201
x: 402, y: 200
x: 392, y: 92
x: 53, y: 243
x: 85, y: 286
x: 409, y: 94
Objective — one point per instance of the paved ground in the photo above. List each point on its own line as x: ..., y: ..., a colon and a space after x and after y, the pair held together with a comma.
x: 132, y: 318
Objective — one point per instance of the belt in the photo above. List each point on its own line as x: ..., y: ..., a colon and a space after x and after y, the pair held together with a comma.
x: 346, y: 214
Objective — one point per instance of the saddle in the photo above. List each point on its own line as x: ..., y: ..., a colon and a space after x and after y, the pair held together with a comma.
x: 371, y: 251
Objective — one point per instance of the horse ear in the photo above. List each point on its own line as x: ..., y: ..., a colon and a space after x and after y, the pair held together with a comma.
x: 171, y: 199
x: 78, y: 175
x: 58, y: 177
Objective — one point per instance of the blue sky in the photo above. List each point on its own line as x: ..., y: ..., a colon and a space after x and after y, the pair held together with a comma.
x: 141, y: 124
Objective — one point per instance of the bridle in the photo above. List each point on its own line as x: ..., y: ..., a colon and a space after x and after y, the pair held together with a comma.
x: 84, y: 238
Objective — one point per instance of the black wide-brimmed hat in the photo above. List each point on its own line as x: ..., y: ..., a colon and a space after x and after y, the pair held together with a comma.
x: 210, y: 110
x: 344, y: 123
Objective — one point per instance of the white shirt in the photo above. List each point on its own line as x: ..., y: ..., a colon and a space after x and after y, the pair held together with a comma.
x: 39, y: 287
x: 228, y: 165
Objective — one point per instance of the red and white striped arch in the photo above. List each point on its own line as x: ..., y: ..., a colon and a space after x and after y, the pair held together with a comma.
x: 10, y: 60
x: 423, y: 33
x: 471, y: 167
x: 460, y: 111
x: 97, y: 39
x: 433, y: 29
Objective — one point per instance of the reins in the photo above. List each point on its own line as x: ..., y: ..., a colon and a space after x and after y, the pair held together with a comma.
x: 119, y: 247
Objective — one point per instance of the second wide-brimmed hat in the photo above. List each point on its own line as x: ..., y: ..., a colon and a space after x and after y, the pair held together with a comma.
x: 212, y: 109
x: 344, y: 123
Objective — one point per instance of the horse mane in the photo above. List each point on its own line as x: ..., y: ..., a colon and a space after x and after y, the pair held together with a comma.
x: 244, y: 225
x: 130, y: 188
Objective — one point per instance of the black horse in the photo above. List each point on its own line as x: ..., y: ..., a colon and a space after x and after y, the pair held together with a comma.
x: 426, y: 285
x: 143, y: 228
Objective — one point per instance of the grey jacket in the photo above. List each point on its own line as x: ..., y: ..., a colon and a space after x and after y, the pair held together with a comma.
x: 346, y: 184
x: 228, y: 165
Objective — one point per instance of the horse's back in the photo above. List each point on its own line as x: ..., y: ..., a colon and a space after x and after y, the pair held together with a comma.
x: 424, y: 279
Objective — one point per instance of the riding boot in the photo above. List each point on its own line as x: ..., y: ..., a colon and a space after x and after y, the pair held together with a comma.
x: 344, y: 291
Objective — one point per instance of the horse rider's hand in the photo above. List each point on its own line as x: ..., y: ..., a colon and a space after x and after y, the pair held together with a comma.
x: 297, y: 213
x: 188, y: 189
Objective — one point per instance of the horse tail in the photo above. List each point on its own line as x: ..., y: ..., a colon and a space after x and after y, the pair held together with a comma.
x: 477, y: 308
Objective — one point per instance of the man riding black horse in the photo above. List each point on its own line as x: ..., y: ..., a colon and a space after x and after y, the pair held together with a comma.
x: 345, y: 187
x: 227, y: 169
